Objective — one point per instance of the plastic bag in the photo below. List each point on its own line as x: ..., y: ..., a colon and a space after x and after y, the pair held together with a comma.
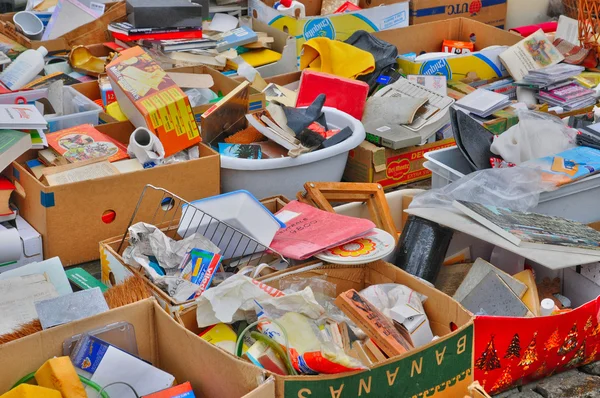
x: 200, y: 96
x: 536, y: 135
x: 310, y: 352
x: 516, y: 188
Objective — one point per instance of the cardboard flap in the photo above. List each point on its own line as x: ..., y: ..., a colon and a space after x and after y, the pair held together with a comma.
x: 192, y: 80
x: 217, y: 119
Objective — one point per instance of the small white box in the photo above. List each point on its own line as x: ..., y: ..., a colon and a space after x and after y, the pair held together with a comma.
x: 31, y: 244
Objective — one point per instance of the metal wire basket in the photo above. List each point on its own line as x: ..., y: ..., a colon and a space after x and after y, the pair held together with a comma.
x: 178, y: 218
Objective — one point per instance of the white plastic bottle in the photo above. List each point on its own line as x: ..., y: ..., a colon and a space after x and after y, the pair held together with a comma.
x: 289, y: 7
x: 24, y: 69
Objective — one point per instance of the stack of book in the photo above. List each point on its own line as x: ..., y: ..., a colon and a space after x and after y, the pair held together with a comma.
x: 124, y: 32
x: 484, y: 103
x: 551, y: 75
x: 569, y: 96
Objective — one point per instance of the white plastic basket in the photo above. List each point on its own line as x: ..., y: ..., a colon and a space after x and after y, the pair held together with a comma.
x: 78, y: 108
x: 576, y: 201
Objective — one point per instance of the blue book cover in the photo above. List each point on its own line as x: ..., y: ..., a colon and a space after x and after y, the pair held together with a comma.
x: 235, y: 38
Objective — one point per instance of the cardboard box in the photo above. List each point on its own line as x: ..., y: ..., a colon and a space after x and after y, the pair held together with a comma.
x: 283, y: 43
x: 389, y: 167
x: 223, y: 84
x: 488, y: 12
x: 375, y: 16
x: 115, y: 270
x: 69, y: 217
x: 31, y: 243
x: 442, y: 368
x: 483, y: 63
x: 161, y: 342
x: 91, y: 33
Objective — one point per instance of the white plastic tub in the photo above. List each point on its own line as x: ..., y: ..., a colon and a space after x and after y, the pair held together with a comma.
x: 78, y: 108
x: 286, y: 176
x: 237, y: 209
x: 576, y: 201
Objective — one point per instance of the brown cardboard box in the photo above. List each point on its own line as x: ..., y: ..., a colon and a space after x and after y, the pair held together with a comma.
x: 489, y: 12
x: 115, y: 270
x: 160, y: 340
x: 442, y: 368
x: 69, y: 217
x: 91, y: 33
x: 223, y: 84
x: 483, y: 63
x: 388, y: 167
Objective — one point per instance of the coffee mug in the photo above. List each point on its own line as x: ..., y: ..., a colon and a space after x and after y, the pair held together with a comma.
x: 29, y: 24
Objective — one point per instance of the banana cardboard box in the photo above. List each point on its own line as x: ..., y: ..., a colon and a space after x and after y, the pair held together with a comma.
x: 375, y: 16
x: 483, y: 63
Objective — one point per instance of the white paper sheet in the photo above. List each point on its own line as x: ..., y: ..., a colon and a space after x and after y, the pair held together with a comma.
x: 117, y: 365
x: 223, y: 22
x: 52, y: 267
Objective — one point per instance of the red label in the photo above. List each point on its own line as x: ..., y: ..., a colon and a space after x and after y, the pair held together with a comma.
x: 397, y: 169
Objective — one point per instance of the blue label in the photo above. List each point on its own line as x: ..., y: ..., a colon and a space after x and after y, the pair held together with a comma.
x: 90, y: 354
x: 319, y: 27
x: 436, y: 67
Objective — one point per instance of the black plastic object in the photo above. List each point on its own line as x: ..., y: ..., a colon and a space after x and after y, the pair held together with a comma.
x: 472, y: 139
x: 385, y: 55
x: 300, y: 118
x: 344, y: 134
x: 422, y: 248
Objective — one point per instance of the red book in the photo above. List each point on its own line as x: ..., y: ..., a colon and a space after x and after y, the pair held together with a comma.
x: 84, y: 142
x: 6, y: 188
x: 181, y: 391
x: 192, y: 34
x: 310, y: 231
x: 344, y: 94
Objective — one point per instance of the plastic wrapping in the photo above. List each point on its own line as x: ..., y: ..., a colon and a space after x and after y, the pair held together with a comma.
x: 536, y: 135
x: 311, y: 351
x: 516, y: 188
x: 200, y: 96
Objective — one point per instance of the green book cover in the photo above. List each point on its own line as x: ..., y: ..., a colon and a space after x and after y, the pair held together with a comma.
x: 13, y: 144
x: 84, y: 280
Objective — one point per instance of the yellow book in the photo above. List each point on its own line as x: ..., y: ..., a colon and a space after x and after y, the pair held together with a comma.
x: 257, y: 58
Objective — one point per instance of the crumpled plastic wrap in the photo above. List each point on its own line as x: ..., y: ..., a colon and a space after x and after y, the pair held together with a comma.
x: 516, y: 188
x: 233, y: 300
x: 147, y: 240
x: 535, y: 136
x: 404, y: 306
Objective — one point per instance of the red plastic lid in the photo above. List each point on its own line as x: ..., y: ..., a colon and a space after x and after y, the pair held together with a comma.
x: 109, y: 216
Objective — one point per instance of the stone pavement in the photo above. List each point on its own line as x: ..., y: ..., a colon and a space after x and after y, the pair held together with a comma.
x: 577, y: 383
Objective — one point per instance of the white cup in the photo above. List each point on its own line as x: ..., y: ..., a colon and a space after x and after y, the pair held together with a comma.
x: 29, y: 24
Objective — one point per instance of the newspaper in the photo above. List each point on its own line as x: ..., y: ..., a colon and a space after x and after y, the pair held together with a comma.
x: 17, y: 299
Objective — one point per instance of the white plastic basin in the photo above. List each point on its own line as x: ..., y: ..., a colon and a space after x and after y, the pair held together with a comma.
x: 286, y: 176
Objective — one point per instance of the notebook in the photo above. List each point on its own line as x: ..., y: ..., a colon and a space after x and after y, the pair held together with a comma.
x: 310, y: 230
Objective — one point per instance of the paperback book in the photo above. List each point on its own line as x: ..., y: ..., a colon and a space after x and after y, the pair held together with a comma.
x: 84, y: 142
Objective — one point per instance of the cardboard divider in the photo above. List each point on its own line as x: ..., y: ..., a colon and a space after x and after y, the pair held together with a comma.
x: 69, y: 216
x: 442, y: 368
x: 160, y: 340
x: 491, y: 13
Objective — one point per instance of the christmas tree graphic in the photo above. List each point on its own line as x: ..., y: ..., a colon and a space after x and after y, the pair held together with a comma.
x: 578, y: 358
x: 553, y: 341
x: 489, y: 358
x: 588, y: 324
x: 514, y: 349
x: 592, y: 357
x: 504, y: 382
x: 530, y: 355
x: 541, y: 371
x: 570, y: 342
